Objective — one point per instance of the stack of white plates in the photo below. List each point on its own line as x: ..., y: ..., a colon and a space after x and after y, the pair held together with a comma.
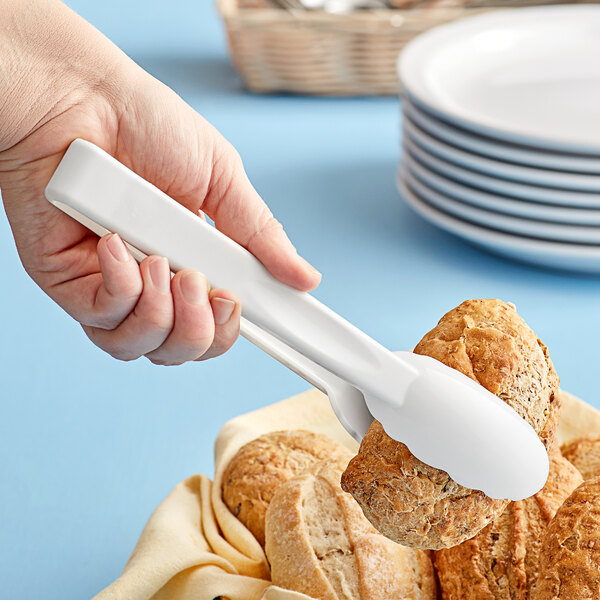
x: 502, y: 132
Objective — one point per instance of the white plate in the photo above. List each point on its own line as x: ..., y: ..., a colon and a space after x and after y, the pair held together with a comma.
x: 516, y: 190
x: 577, y: 234
x: 489, y: 147
x: 554, y: 255
x: 497, y: 202
x: 528, y: 75
x: 501, y: 169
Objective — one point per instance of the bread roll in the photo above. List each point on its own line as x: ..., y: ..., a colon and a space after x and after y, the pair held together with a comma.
x: 420, y: 506
x: 320, y: 544
x: 584, y: 453
x: 570, y: 562
x: 501, y: 562
x: 262, y: 465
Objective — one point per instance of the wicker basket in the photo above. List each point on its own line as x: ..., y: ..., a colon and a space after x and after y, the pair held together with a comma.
x: 315, y: 52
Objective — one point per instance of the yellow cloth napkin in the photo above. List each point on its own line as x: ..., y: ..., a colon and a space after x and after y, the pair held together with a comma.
x: 193, y: 548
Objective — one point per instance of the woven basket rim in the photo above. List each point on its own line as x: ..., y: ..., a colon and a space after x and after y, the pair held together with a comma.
x: 393, y: 18
x: 320, y: 53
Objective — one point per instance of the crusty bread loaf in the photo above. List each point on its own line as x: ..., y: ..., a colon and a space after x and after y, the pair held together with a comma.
x: 584, y: 453
x: 570, y: 561
x: 319, y: 543
x: 488, y: 341
x: 501, y: 562
x: 261, y: 466
x: 420, y: 506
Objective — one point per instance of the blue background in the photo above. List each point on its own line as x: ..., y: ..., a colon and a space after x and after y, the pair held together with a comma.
x: 89, y: 446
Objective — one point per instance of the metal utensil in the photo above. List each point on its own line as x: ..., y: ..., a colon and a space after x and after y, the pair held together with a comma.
x: 332, y: 6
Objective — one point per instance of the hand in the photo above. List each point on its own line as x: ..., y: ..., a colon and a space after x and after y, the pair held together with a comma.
x: 127, y: 310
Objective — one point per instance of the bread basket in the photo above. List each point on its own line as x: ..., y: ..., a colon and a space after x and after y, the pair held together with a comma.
x: 193, y: 546
x: 315, y: 52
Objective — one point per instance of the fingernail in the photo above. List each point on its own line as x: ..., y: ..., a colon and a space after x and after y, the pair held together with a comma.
x: 117, y: 248
x: 222, y: 310
x: 160, y: 274
x: 194, y: 288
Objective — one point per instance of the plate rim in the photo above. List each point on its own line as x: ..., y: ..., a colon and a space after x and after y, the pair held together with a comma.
x: 406, y: 71
x: 497, y: 199
x: 501, y: 150
x: 521, y: 191
x: 501, y: 169
x: 481, y: 236
x: 471, y: 209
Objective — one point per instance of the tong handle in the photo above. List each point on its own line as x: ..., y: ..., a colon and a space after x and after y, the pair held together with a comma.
x: 308, y: 370
x: 90, y: 182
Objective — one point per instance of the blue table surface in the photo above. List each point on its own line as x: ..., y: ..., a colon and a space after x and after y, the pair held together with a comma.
x: 90, y: 445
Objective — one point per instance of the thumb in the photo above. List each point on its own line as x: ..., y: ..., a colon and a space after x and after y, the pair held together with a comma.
x: 240, y: 213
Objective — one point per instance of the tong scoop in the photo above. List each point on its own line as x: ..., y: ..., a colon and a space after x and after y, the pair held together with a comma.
x: 446, y: 419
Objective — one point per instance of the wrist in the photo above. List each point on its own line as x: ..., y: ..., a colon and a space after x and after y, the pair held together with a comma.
x: 50, y: 59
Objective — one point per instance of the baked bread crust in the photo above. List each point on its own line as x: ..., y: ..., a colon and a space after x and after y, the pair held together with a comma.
x: 420, y: 506
x: 584, y: 453
x: 261, y: 466
x: 320, y: 544
x: 502, y: 561
x: 488, y: 341
x: 570, y: 564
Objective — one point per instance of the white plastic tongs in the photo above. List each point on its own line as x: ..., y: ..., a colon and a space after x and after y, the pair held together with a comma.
x: 446, y: 419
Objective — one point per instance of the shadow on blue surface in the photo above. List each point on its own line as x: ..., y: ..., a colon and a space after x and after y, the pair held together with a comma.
x: 363, y: 201
x: 208, y: 75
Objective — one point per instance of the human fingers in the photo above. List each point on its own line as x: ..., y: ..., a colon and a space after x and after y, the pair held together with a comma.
x: 121, y: 285
x: 194, y: 327
x: 227, y: 309
x: 149, y: 324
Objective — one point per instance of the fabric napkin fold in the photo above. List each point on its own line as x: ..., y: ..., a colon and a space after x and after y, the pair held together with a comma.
x: 193, y: 548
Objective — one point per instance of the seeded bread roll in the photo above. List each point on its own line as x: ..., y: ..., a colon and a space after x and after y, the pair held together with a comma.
x: 501, y: 562
x: 262, y: 465
x: 420, y: 506
x: 570, y: 562
x: 584, y: 453
x: 320, y: 544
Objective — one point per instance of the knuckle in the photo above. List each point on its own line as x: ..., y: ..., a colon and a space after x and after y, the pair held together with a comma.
x: 229, y: 155
x: 269, y: 223
x: 160, y: 362
x: 128, y: 293
x: 105, y: 322
x: 120, y: 352
x: 127, y: 287
x: 103, y: 318
x: 198, y: 337
x: 157, y: 321
x: 268, y: 226
x: 194, y: 348
x: 219, y: 346
x: 212, y: 352
x: 227, y: 169
x: 125, y: 357
x: 110, y: 344
x: 157, y: 361
x: 225, y: 342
